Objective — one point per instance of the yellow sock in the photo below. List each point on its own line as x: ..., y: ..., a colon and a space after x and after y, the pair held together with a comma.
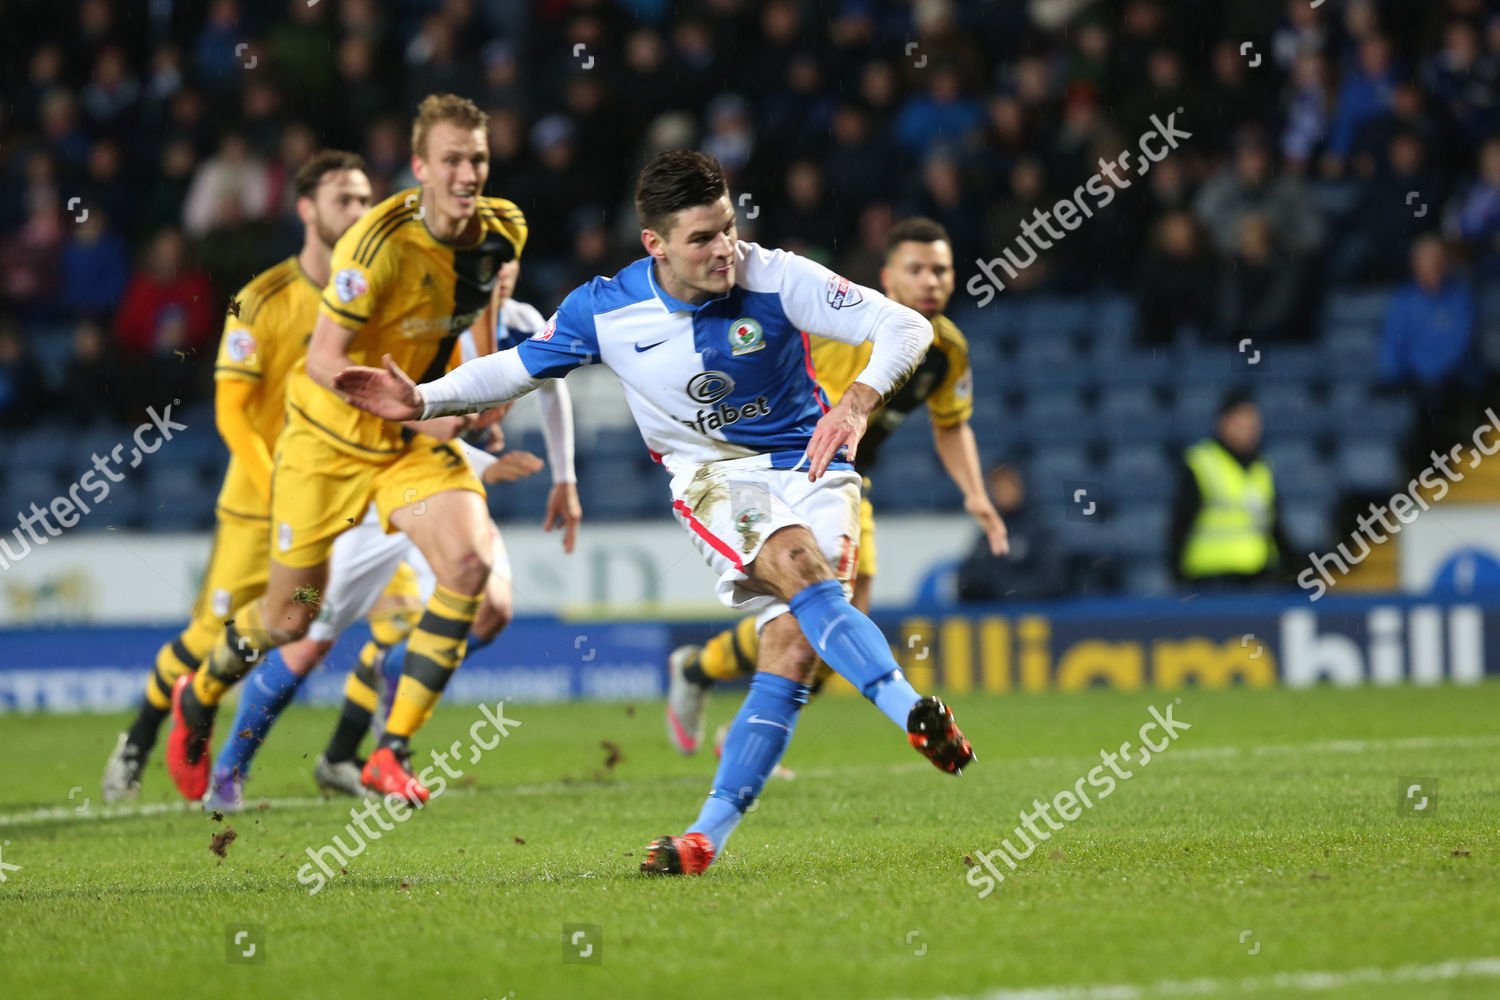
x: 172, y: 661
x: 434, y: 650
x: 244, y: 642
x: 358, y: 687
x: 732, y: 653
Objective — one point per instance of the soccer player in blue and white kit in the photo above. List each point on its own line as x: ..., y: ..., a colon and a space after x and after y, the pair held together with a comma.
x: 709, y: 336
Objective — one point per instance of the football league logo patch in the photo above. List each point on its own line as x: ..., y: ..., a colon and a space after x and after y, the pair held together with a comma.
x: 349, y: 284
x: 843, y: 292
x: 546, y: 332
x: 241, y: 346
x: 746, y: 337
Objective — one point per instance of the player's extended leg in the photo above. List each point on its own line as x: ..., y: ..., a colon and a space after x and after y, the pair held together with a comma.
x: 450, y: 528
x: 283, y: 615
x: 791, y: 566
x: 339, y: 766
x: 267, y: 691
x: 236, y: 573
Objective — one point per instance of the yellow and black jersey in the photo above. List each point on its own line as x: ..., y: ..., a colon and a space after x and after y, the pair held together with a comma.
x: 943, y: 381
x: 405, y: 294
x: 265, y: 335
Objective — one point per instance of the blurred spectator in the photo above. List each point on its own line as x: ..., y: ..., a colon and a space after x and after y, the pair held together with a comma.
x: 1033, y: 570
x: 801, y: 215
x: 31, y: 262
x: 1248, y: 186
x: 228, y: 188
x: 940, y: 115
x: 1428, y: 349
x: 1261, y: 294
x: 1366, y: 92
x: 1476, y: 213
x: 88, y: 391
x: 1225, y: 532
x: 1177, y: 283
x: 164, y: 198
x: 1465, y: 80
x: 1399, y: 204
x: 214, y: 55
x: 111, y: 96
x: 22, y: 388
x: 95, y: 267
x: 299, y: 47
x: 1309, y: 102
x: 168, y: 305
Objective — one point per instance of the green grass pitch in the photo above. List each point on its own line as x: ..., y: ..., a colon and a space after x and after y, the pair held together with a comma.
x: 1266, y: 843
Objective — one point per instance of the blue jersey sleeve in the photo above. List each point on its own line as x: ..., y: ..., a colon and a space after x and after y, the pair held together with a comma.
x: 568, y: 341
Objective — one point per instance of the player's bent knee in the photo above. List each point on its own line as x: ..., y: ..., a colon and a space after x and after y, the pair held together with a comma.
x: 467, y: 573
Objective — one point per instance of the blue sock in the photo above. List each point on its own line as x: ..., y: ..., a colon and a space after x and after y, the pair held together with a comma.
x: 266, y: 692
x: 757, y: 738
x: 854, y: 646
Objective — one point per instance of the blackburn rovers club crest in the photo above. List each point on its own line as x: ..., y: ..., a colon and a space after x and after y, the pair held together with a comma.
x: 746, y: 336
x: 745, y: 525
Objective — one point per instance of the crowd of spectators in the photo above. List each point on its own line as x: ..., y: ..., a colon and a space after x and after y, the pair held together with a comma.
x: 147, y: 149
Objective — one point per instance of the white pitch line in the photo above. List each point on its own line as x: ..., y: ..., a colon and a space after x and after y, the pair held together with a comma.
x: 1279, y: 984
x: 71, y: 813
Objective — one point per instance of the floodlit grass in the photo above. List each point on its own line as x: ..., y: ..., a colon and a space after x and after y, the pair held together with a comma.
x: 1265, y: 840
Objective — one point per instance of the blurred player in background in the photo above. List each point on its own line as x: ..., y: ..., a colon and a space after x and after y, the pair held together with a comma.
x: 706, y: 334
x: 365, y: 558
x: 407, y: 280
x: 265, y: 334
x: 918, y: 273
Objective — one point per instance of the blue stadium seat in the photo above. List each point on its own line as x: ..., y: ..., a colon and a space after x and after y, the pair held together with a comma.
x: 1384, y: 418
x: 1356, y: 308
x: 1288, y: 408
x: 1130, y: 414
x: 1301, y: 473
x: 44, y: 448
x: 1047, y: 318
x: 1046, y: 350
x: 1140, y: 473
x: 1309, y: 526
x: 1369, y: 466
x: 1148, y: 578
x: 176, y: 503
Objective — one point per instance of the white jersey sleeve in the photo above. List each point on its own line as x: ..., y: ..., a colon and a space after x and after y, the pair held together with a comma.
x: 821, y: 302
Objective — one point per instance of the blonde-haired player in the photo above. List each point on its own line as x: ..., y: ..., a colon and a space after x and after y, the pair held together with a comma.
x: 415, y: 272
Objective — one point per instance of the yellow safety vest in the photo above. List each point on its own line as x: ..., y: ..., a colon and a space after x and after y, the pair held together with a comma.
x: 1232, y: 531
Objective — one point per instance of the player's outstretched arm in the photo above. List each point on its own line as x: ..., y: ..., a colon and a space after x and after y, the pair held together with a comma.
x: 389, y: 392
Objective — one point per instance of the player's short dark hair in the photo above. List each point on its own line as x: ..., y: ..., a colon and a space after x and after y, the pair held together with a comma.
x: 311, y: 173
x: 673, y: 181
x: 917, y: 229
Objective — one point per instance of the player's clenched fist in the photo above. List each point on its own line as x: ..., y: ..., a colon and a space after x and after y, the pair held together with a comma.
x: 388, y: 393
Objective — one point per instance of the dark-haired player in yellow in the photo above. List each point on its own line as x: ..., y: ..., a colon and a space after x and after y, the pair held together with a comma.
x: 265, y: 334
x: 918, y: 272
x: 407, y: 280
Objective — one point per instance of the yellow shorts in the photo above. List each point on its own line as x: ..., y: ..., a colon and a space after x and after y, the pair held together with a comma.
x: 318, y: 491
x: 238, y: 565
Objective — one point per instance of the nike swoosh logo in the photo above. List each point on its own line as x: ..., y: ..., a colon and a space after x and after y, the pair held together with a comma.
x: 642, y: 350
x: 823, y: 639
x: 767, y: 722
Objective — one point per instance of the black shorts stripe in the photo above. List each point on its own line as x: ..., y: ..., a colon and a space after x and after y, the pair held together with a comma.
x: 241, y: 372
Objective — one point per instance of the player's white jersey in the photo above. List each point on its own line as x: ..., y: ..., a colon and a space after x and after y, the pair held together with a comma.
x: 731, y: 378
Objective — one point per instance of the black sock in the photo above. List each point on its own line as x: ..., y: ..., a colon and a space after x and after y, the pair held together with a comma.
x: 353, y: 722
x: 399, y: 745
x: 143, y: 731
